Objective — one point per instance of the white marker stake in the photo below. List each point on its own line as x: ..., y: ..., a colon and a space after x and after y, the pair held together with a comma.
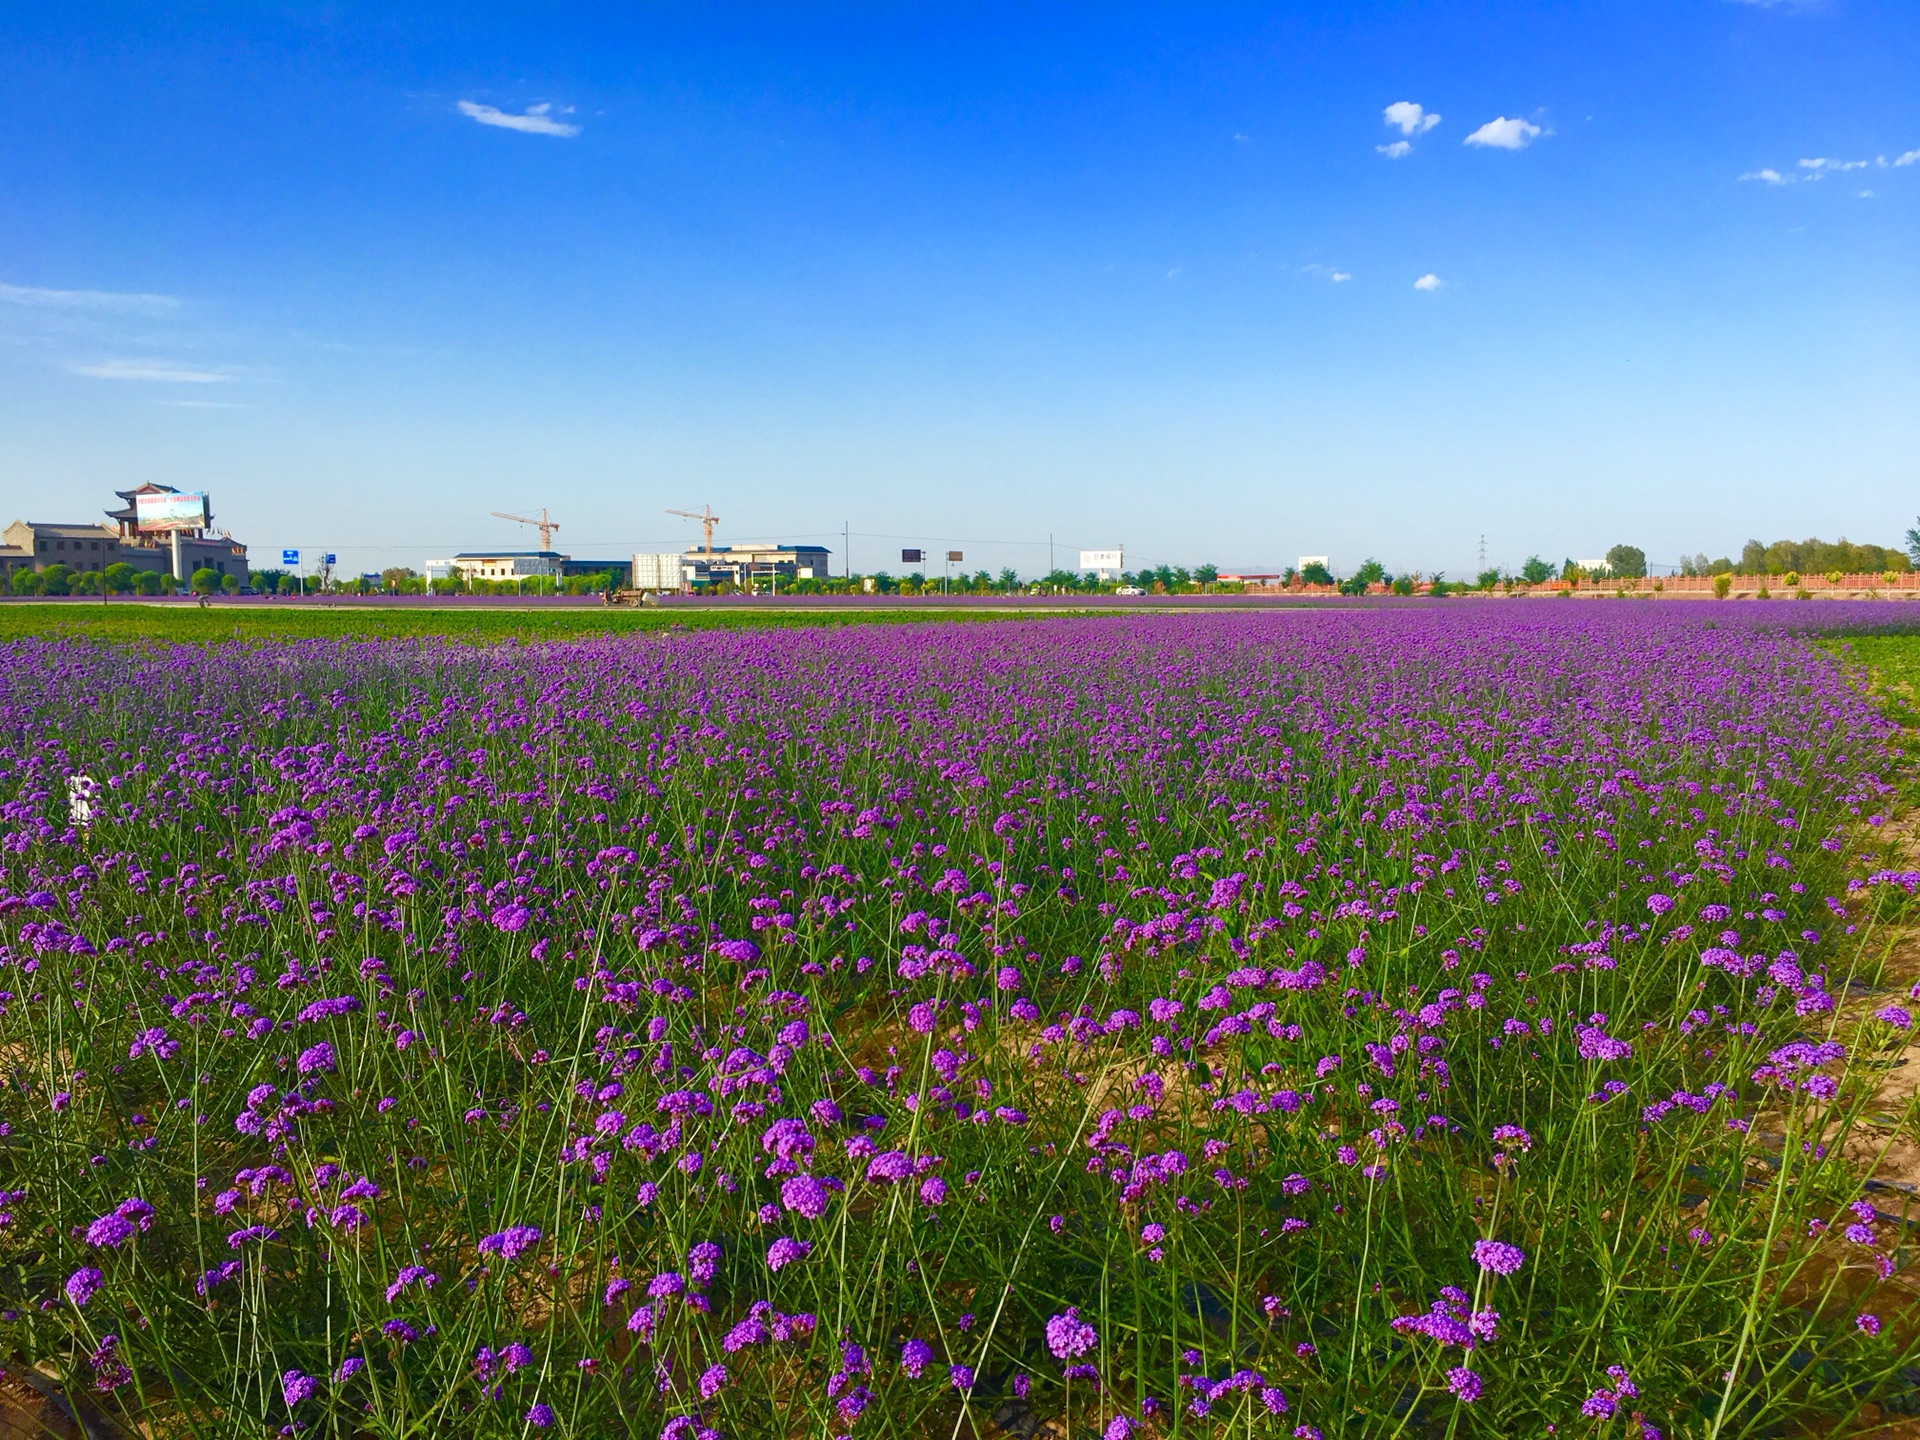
x: 80, y: 792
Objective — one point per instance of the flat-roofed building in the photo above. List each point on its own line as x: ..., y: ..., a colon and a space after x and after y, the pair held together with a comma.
x: 506, y: 564
x: 743, y: 564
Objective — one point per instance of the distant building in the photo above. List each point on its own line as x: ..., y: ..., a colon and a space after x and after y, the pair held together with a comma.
x: 744, y: 564
x: 517, y: 565
x: 122, y: 539
x: 1252, y: 577
x: 502, y: 564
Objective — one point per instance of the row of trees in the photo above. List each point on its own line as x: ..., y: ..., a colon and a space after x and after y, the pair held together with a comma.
x: 1809, y: 557
x: 1164, y: 580
x: 118, y: 578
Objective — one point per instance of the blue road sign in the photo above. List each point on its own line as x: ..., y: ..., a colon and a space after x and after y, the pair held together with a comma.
x: 289, y: 557
x: 328, y: 559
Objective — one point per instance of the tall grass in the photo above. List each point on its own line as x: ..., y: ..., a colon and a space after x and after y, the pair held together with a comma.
x: 1140, y: 1025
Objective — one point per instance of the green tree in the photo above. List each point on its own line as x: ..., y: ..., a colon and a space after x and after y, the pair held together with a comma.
x: 1206, y: 574
x: 119, y: 576
x: 1316, y: 574
x: 28, y: 582
x: 205, y: 581
x: 152, y: 582
x: 1536, y: 571
x: 230, y: 584
x: 1627, y: 562
x: 1487, y: 579
x: 58, y: 579
x: 1913, y: 543
x: 1371, y: 572
x: 1009, y: 580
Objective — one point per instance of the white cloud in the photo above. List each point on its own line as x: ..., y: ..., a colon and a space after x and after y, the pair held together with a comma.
x: 34, y: 295
x: 1912, y: 157
x: 159, y: 370
x: 1768, y: 177
x: 1395, y: 150
x: 1340, y: 277
x: 1821, y: 167
x: 1408, y: 118
x: 1505, y: 134
x: 1428, y: 282
x: 536, y: 121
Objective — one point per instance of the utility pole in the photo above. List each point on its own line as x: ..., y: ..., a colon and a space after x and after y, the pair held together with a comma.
x: 846, y: 547
x: 1483, y: 552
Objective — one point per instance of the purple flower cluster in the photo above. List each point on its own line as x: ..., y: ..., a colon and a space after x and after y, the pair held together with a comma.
x: 1125, y: 946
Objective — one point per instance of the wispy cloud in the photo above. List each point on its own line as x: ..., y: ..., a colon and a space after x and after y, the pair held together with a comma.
x: 1337, y: 276
x: 123, y: 300
x: 202, y: 404
x: 1504, y: 134
x: 1409, y: 118
x: 536, y: 120
x: 1820, y: 166
x: 162, y: 371
x: 1428, y: 282
x: 1340, y: 277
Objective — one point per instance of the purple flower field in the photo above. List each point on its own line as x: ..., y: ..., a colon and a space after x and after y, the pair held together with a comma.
x: 1438, y: 1021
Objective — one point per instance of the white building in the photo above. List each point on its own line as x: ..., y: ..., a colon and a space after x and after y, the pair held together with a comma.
x: 502, y: 564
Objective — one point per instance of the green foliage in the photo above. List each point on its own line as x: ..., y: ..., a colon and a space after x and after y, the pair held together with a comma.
x: 264, y: 623
x: 1536, y: 571
x: 1817, y: 556
x: 1627, y: 562
x: 1316, y: 574
x: 1487, y: 579
x: 205, y: 581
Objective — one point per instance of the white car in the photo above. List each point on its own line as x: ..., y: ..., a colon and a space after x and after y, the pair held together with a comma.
x: 1129, y: 590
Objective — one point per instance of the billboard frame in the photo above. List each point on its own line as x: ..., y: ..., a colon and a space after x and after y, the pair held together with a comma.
x: 160, y: 512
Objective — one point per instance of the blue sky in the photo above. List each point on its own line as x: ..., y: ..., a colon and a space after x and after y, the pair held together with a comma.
x: 971, y: 275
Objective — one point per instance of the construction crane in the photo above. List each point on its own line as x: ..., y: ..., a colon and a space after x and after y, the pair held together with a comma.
x: 545, y: 526
x: 707, y: 520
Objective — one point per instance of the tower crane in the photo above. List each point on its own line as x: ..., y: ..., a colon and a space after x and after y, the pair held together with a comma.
x: 545, y: 526
x: 707, y: 520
